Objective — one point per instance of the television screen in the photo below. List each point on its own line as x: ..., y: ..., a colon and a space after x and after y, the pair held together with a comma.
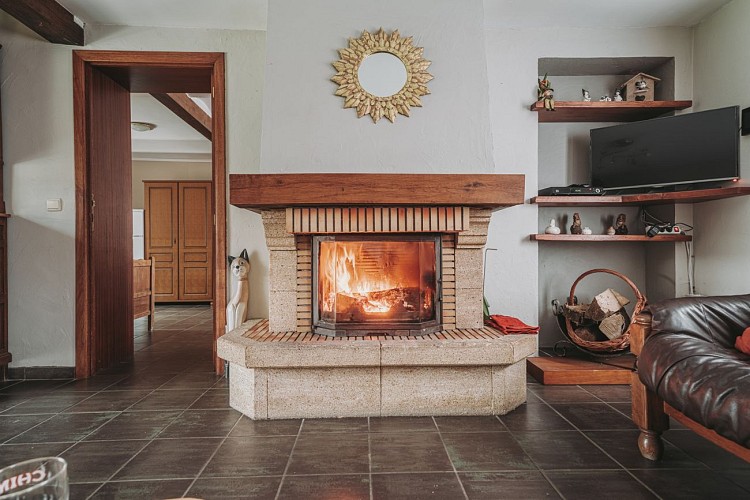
x: 685, y: 149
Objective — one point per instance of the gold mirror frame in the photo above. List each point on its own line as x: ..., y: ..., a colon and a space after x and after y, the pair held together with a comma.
x: 355, y: 96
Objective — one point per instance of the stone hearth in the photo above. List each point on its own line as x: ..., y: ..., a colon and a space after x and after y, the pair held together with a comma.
x: 280, y: 368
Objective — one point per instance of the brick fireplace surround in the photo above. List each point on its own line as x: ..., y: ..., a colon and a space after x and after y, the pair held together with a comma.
x: 279, y: 368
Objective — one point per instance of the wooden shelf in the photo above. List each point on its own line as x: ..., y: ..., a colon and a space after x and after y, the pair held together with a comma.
x: 696, y: 196
x: 605, y: 238
x: 595, y: 111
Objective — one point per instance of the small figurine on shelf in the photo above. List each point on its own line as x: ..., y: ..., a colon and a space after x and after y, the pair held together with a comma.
x: 552, y: 228
x: 611, y: 231
x: 586, y: 95
x: 545, y: 93
x: 605, y: 98
x: 620, y: 227
x: 586, y: 230
x: 618, y: 96
x: 576, y: 228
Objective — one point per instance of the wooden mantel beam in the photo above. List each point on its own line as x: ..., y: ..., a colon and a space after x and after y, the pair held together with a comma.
x: 264, y: 191
x: 188, y: 111
x: 47, y: 18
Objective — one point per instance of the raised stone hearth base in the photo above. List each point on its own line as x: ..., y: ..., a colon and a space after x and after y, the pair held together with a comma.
x: 302, y: 375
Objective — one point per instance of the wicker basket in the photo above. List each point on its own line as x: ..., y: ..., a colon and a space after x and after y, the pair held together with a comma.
x: 622, y: 342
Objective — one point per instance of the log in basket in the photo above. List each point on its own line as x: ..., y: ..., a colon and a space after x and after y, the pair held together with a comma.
x: 622, y: 342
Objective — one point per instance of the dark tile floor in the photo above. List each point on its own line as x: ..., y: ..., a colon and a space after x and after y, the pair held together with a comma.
x: 162, y: 428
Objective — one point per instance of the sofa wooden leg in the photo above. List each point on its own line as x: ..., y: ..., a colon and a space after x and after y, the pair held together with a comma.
x: 651, y: 444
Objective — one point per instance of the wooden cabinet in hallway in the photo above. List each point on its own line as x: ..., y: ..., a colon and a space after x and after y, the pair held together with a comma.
x: 178, y: 234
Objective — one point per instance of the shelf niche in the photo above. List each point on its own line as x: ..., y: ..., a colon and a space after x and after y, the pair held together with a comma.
x: 563, y: 147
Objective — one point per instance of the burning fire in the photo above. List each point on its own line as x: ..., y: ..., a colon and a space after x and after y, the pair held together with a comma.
x: 343, y: 277
x: 361, y: 281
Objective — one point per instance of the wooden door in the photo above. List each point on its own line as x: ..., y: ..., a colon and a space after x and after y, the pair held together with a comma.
x: 161, y: 237
x: 110, y: 227
x: 195, y: 246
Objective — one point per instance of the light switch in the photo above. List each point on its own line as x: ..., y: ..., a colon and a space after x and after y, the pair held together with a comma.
x: 54, y: 205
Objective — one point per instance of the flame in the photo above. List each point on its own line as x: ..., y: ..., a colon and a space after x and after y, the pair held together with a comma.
x: 341, y: 276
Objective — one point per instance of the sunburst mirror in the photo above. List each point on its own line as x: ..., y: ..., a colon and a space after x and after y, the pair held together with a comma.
x: 381, y: 75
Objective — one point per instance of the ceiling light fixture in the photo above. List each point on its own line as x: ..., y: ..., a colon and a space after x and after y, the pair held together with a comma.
x: 142, y: 126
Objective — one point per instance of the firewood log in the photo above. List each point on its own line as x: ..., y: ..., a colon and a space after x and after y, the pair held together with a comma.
x: 575, y: 313
x: 605, y: 304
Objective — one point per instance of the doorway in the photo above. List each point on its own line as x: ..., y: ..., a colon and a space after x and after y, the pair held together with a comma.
x: 103, y: 82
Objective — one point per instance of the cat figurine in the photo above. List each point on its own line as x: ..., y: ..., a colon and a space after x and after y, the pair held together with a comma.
x: 237, y: 307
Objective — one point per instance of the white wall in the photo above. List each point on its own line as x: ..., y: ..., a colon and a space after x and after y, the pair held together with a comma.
x: 166, y: 171
x: 37, y: 93
x: 522, y: 280
x: 307, y: 129
x: 721, y: 74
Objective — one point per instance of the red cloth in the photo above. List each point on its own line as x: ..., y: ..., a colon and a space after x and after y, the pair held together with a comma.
x: 510, y: 325
x: 743, y: 342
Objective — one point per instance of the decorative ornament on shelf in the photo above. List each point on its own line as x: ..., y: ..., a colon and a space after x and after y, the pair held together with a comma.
x: 369, y: 100
x: 552, y: 228
x: 620, y: 226
x: 611, y: 231
x: 618, y: 96
x: 640, y: 87
x: 237, y: 307
x: 587, y: 231
x: 576, y: 228
x: 545, y: 93
x: 586, y: 95
x: 605, y: 98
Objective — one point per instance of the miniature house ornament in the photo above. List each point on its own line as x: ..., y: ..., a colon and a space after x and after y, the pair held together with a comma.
x: 552, y: 228
x: 640, y: 87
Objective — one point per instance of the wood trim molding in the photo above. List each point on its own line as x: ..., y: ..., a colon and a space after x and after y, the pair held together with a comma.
x: 187, y: 110
x: 265, y: 191
x: 83, y: 62
x: 218, y: 150
x: 47, y: 18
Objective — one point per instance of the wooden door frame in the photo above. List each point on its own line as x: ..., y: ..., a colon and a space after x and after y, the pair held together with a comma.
x: 152, y: 62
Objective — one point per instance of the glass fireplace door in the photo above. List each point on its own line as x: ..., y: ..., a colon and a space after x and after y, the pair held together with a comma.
x: 366, y: 285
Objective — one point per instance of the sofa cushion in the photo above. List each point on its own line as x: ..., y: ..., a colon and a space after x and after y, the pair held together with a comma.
x: 691, y: 363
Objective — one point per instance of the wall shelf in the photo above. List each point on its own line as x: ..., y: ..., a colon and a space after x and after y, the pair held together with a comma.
x: 596, y: 111
x: 605, y: 238
x: 696, y: 196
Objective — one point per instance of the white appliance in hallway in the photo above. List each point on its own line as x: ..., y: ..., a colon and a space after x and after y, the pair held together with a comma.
x: 138, y: 231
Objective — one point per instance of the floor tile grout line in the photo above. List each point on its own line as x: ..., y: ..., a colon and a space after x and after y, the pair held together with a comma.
x: 289, y: 460
x: 198, y: 475
x: 453, y: 466
x: 369, y: 456
x: 539, y: 469
x: 599, y: 447
x: 139, y: 451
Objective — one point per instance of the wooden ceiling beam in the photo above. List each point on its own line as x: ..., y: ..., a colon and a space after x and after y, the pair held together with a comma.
x: 47, y: 18
x: 188, y: 111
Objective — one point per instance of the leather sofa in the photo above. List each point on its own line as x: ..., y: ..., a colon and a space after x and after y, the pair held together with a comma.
x: 689, y: 369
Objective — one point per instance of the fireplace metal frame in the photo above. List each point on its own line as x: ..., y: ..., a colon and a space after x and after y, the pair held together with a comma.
x: 399, y: 328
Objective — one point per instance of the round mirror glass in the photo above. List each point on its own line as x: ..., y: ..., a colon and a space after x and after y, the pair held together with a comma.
x: 382, y: 74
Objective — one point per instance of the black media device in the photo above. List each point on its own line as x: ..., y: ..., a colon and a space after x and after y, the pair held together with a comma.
x: 746, y: 121
x: 571, y: 191
x: 693, y: 148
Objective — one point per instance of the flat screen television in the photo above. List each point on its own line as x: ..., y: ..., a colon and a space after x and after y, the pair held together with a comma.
x: 693, y: 148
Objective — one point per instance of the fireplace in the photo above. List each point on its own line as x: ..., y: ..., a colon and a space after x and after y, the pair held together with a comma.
x: 375, y: 299
x: 376, y: 284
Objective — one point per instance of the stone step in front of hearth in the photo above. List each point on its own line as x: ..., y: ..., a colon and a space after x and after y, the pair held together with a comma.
x: 276, y: 375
